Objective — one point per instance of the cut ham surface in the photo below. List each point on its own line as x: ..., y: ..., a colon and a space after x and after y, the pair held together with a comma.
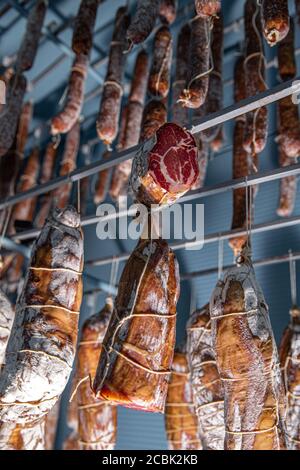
x: 166, y: 167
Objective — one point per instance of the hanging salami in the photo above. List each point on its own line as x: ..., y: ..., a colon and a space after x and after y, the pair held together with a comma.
x: 67, y: 118
x: 119, y: 178
x: 42, y: 345
x: 180, y: 416
x: 136, y: 357
x: 9, y: 169
x: 289, y: 127
x: 256, y: 131
x: 109, y: 114
x: 143, y: 21
x: 47, y: 172
x: 154, y: 116
x: 287, y: 66
x: 24, y: 210
x: 195, y: 92
x: 180, y: 114
x: 68, y: 164
x: 275, y: 20
x: 207, y: 387
x: 82, y: 41
x: 166, y: 166
x: 290, y: 361
x: 132, y: 120
x: 51, y: 422
x: 207, y: 8
x: 247, y: 362
x: 28, y: 436
x: 214, y: 99
x: 97, y: 421
x: 167, y: 11
x: 7, y: 315
x: 159, y: 77
x: 10, y: 114
x: 288, y: 187
x: 30, y: 42
x: 23, y: 127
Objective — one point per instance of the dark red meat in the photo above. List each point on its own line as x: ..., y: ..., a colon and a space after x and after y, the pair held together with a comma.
x: 168, y: 169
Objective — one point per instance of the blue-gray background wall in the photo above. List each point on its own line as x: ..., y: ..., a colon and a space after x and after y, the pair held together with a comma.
x: 138, y: 430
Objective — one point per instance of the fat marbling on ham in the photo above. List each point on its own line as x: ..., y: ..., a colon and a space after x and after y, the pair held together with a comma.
x: 165, y: 167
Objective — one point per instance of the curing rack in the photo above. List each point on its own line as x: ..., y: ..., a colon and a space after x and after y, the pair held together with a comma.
x: 273, y: 95
x: 270, y: 96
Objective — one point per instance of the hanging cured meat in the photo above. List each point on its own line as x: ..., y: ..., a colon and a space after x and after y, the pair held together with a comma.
x: 243, y: 165
x: 256, y: 131
x: 155, y: 115
x: 290, y: 361
x: 109, y: 114
x: 9, y: 169
x: 214, y: 99
x: 288, y: 187
x: 132, y: 120
x: 195, y: 92
x: 24, y: 210
x: 51, y: 422
x: 70, y: 114
x: 203, y: 156
x: 159, y: 77
x: 287, y: 66
x: 180, y: 416
x: 30, y: 42
x: 207, y: 8
x: 143, y: 21
x: 82, y: 41
x: 23, y: 127
x: 207, y: 387
x: 42, y: 345
x: 97, y: 421
x: 180, y: 113
x: 7, y: 315
x: 47, y: 172
x: 9, y: 117
x: 28, y: 436
x: 247, y: 362
x: 68, y: 164
x: 167, y: 11
x: 136, y: 357
x: 275, y: 20
x: 166, y: 167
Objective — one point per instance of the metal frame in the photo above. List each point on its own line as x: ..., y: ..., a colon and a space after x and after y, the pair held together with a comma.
x: 212, y: 238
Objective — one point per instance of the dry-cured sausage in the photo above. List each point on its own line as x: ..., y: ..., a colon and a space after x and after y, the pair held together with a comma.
x: 287, y: 66
x: 143, y: 21
x: 136, y: 357
x: 247, y: 362
x: 180, y: 114
x: 159, y: 77
x: 275, y: 20
x: 42, y: 344
x: 109, y: 113
x: 180, y: 415
x: 207, y: 8
x: 67, y: 118
x: 82, y: 41
x: 207, y: 387
x: 167, y: 11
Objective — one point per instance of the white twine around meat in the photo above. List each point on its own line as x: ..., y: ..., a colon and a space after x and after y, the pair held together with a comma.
x: 66, y: 270
x: 84, y: 379
x: 206, y: 405
x: 293, y: 279
x: 235, y: 314
x: 139, y: 366
x: 114, y: 83
x: 59, y: 307
x: 260, y: 431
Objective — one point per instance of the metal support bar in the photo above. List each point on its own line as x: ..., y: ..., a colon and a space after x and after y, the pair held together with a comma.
x: 231, y: 112
x: 212, y: 238
x: 252, y: 180
x: 10, y: 245
x: 258, y: 263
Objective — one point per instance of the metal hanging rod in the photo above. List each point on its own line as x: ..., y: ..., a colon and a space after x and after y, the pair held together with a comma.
x: 207, y: 272
x: 212, y: 238
x: 231, y: 112
x: 257, y: 263
x: 252, y: 180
